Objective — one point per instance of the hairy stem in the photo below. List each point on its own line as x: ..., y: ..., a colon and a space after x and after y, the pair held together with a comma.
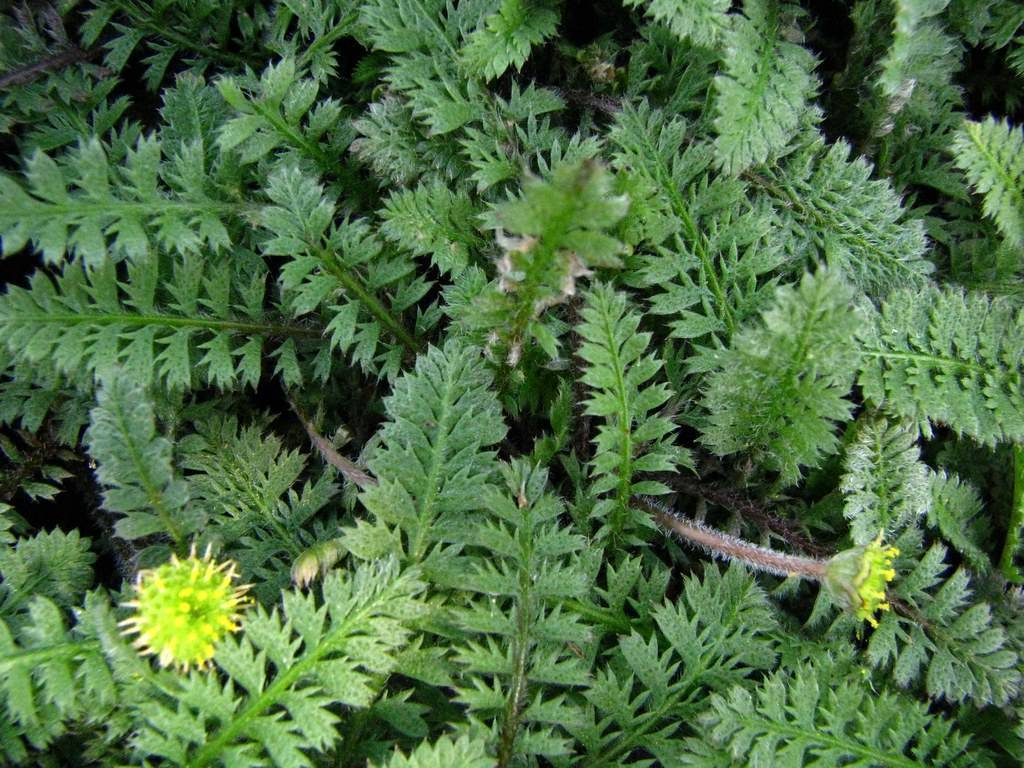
x: 347, y: 468
x: 34, y: 71
x: 736, y: 501
x: 729, y: 547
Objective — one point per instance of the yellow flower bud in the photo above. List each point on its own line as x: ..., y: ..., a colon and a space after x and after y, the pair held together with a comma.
x: 856, y: 578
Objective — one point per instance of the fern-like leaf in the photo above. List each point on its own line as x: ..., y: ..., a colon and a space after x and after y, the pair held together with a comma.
x: 830, y: 207
x: 704, y: 22
x: 446, y: 752
x: 207, y: 324
x: 78, y: 208
x: 507, y: 36
x: 518, y: 667
x: 779, y: 390
x: 50, y: 677
x: 423, y: 38
x: 764, y: 89
x: 922, y: 56
x: 942, y: 637
x: 432, y: 220
x: 277, y: 112
x: 341, y: 266
x: 559, y: 229
x: 245, y: 483
x: 991, y: 153
x: 51, y: 564
x: 712, y: 249
x: 204, y: 31
x: 134, y: 464
x: 948, y: 357
x: 634, y: 437
x: 956, y: 511
x: 714, y: 635
x: 286, y: 675
x: 811, y: 717
x: 885, y: 484
x: 433, y: 465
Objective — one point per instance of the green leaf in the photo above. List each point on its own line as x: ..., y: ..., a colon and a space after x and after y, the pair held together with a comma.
x: 432, y: 220
x: 942, y: 637
x: 763, y: 90
x: 51, y: 564
x: 98, y: 211
x: 134, y: 464
x: 433, y: 464
x: 780, y: 389
x: 947, y: 357
x: 464, y: 752
x: 704, y: 22
x: 50, y: 678
x: 991, y: 153
x: 829, y: 207
x: 189, y: 330
x: 813, y: 716
x: 558, y: 234
x: 633, y: 437
x: 506, y: 37
x: 286, y: 675
x: 885, y: 485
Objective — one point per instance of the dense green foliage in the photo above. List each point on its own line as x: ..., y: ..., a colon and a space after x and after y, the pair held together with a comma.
x: 402, y: 305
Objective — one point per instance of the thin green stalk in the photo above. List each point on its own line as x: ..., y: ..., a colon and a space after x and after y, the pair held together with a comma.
x: 1016, y: 525
x: 517, y: 695
x: 35, y: 657
x: 327, y: 39
x: 146, y: 21
x: 170, y: 321
x: 354, y: 286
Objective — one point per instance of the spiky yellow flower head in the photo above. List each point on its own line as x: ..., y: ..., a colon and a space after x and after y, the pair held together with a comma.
x: 856, y: 578
x: 183, y: 608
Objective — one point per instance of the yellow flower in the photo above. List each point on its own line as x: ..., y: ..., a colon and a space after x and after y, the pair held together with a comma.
x: 183, y: 608
x: 856, y: 578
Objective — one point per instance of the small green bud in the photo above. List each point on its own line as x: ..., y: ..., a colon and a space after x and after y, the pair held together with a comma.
x: 316, y: 561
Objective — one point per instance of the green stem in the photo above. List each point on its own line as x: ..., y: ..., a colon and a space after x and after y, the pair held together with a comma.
x: 1016, y: 526
x: 16, y: 597
x: 328, y: 38
x: 354, y: 286
x: 311, y: 148
x: 212, y: 750
x: 36, y: 657
x: 145, y: 19
x: 171, y: 321
x: 518, y: 689
x: 918, y: 357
